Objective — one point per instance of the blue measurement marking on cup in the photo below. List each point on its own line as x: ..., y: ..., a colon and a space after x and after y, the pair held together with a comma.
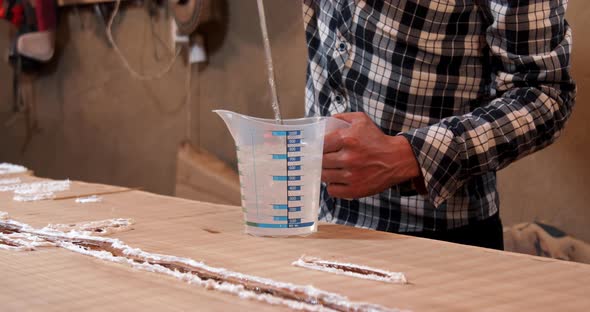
x: 293, y: 180
x: 254, y: 170
x: 279, y: 156
x: 279, y: 225
x: 286, y: 178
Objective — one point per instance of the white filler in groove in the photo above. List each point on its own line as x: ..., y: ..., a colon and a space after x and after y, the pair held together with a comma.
x: 6, y: 168
x: 89, y: 199
x: 308, y: 298
x: 20, y: 241
x: 36, y: 190
x: 351, y: 269
x: 102, y: 227
x: 9, y: 181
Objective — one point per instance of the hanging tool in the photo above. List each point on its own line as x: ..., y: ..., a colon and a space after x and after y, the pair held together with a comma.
x: 33, y: 45
x: 186, y: 14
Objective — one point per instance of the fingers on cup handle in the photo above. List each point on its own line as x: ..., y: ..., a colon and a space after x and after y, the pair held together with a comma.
x: 332, y: 142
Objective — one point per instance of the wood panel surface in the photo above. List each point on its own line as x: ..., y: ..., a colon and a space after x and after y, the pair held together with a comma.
x: 443, y: 276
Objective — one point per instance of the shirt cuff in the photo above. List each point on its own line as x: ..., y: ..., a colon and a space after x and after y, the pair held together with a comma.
x: 438, y: 150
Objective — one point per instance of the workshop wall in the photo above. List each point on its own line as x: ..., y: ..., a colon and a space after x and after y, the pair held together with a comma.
x: 553, y: 185
x: 99, y: 124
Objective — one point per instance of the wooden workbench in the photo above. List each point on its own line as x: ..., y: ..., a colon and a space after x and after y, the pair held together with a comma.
x: 443, y: 276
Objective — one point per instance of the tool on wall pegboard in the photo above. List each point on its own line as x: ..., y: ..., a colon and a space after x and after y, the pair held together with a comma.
x: 186, y: 19
x: 34, y: 42
x: 186, y: 14
x: 32, y: 46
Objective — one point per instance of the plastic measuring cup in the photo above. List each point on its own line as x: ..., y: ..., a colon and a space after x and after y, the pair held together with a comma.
x: 280, y: 171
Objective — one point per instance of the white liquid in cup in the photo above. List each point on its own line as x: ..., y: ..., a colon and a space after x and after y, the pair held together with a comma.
x: 280, y: 171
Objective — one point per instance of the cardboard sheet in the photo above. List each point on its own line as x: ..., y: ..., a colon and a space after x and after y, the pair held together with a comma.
x: 443, y: 276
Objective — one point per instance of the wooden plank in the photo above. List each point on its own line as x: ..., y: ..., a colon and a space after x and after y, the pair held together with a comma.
x: 201, y: 176
x: 444, y: 276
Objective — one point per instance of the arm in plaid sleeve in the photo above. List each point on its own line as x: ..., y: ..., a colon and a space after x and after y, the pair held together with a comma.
x: 530, y: 48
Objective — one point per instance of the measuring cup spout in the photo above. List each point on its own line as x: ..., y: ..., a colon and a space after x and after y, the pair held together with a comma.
x: 232, y: 120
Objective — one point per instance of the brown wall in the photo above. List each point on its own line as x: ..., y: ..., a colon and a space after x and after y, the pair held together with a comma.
x: 554, y: 184
x: 101, y: 125
x: 97, y: 123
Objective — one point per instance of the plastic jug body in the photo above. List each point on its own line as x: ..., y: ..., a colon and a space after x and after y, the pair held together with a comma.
x: 280, y: 171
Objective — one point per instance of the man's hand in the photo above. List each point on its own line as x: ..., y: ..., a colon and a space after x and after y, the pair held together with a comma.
x: 362, y: 161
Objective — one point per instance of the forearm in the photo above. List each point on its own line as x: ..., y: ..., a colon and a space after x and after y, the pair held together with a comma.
x: 520, y: 122
x: 535, y: 95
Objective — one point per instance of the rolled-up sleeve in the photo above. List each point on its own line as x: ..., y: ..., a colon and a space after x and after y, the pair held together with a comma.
x: 530, y: 47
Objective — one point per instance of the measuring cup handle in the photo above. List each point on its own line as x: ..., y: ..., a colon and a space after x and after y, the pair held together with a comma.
x: 333, y: 124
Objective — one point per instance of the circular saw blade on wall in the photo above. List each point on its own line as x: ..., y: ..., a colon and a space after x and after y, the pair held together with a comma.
x: 187, y: 14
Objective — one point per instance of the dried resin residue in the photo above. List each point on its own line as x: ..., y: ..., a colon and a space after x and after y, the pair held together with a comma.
x: 39, y: 190
x: 10, y: 187
x: 6, y: 168
x: 300, y: 297
x: 8, y: 181
x: 19, y: 241
x: 39, y: 186
x: 350, y: 269
x: 89, y: 199
x: 22, y: 241
x: 9, y: 242
x: 102, y: 227
x: 16, y: 241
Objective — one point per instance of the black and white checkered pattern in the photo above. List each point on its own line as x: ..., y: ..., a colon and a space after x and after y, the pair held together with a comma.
x: 473, y: 85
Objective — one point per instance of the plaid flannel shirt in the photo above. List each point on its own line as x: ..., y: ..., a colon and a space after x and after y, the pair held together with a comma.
x: 473, y: 85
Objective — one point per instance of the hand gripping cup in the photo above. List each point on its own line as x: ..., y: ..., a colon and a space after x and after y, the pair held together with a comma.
x: 280, y: 169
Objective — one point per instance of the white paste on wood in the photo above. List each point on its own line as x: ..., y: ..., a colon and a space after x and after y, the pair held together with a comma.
x: 6, y: 168
x: 102, y: 227
x: 9, y: 181
x: 351, y: 269
x: 145, y: 261
x: 22, y: 242
x: 36, y: 190
x: 89, y: 199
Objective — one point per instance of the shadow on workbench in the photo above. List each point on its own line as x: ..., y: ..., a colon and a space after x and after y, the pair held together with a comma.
x: 335, y: 231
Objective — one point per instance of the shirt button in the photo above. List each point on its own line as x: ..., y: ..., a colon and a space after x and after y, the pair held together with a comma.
x: 342, y: 47
x: 339, y: 99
